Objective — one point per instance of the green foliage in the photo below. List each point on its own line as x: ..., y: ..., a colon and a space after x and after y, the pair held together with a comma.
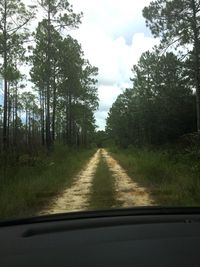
x: 176, y: 22
x: 61, y: 104
x: 62, y: 13
x: 72, y: 90
x: 158, y: 109
x: 14, y: 16
x: 172, y: 20
x: 101, y: 138
x: 29, y: 186
x: 172, y: 178
x: 57, y: 16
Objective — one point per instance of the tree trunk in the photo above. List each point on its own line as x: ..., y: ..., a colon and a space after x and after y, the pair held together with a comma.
x: 29, y: 128
x: 5, y: 113
x: 42, y: 116
x: 54, y: 108
x: 70, y: 118
x: 26, y: 125
x: 13, y: 121
x: 196, y: 61
x: 48, y: 131
x: 16, y: 116
x: 8, y: 114
x: 67, y: 119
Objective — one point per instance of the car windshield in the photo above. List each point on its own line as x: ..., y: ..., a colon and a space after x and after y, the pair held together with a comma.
x: 99, y: 105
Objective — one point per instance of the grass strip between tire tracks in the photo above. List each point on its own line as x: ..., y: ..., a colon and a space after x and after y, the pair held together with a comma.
x: 102, y: 194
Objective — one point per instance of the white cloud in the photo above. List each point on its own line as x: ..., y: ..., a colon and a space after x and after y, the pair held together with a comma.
x: 111, y: 15
x: 119, y: 59
x: 107, y: 95
x: 113, y: 36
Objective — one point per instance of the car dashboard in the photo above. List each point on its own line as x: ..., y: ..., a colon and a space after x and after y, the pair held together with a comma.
x: 132, y: 237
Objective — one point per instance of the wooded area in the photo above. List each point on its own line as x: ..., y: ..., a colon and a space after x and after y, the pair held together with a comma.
x: 49, y: 113
x: 164, y: 101
x: 61, y: 103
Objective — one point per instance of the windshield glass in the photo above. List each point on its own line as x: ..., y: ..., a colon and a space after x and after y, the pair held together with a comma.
x: 99, y: 105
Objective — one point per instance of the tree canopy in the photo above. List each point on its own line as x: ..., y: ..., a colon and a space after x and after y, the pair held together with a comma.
x: 159, y: 108
x: 60, y: 106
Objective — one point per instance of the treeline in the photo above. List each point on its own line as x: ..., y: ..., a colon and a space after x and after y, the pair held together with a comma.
x: 164, y: 101
x: 159, y: 108
x: 60, y: 106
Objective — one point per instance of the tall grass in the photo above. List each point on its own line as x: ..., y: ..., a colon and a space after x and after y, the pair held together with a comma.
x: 29, y: 186
x: 173, y: 178
x: 102, y: 193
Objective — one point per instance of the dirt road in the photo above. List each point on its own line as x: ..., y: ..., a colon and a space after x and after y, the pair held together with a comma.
x: 128, y: 193
x: 77, y: 197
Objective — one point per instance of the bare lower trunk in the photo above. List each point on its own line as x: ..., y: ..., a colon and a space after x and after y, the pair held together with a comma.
x: 196, y: 61
x: 54, y: 110
x: 5, y: 112
x: 48, y: 130
x: 5, y: 115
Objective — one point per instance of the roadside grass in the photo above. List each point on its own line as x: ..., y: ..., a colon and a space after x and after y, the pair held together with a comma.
x: 173, y: 179
x: 25, y: 189
x: 102, y: 193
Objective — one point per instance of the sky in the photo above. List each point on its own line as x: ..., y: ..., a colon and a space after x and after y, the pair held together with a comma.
x: 113, y: 36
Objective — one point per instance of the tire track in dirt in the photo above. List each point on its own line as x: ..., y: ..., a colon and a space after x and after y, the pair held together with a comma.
x: 128, y: 192
x: 76, y: 197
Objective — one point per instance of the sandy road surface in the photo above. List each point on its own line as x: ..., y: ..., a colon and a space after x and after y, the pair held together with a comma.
x: 75, y: 198
x: 128, y: 192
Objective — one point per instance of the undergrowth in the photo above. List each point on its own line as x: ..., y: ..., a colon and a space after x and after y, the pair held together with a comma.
x: 173, y: 178
x: 27, y: 187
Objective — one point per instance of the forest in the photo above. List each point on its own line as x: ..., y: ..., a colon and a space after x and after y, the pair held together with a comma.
x: 56, y: 100
x: 48, y: 132
x: 164, y: 101
x: 154, y: 125
x: 47, y: 103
